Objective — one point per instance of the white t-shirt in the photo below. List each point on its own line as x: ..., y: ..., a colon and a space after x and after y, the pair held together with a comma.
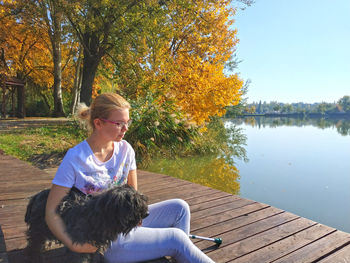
x: 80, y: 168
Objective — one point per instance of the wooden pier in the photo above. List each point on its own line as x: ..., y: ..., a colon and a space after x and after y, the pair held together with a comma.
x: 251, y: 231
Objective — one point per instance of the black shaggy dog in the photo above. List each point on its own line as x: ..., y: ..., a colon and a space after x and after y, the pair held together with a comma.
x: 94, y: 219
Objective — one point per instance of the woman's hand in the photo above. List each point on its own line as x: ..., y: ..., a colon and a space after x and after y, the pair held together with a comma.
x: 82, y: 248
x: 56, y: 224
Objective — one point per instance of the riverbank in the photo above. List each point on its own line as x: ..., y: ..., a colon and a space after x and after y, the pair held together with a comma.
x: 300, y: 115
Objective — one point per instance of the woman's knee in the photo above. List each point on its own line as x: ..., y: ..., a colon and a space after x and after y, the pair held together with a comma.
x: 181, y: 204
x: 179, y: 237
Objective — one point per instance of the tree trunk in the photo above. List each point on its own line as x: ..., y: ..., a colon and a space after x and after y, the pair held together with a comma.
x: 77, y: 85
x: 55, y: 36
x: 57, y: 85
x: 92, y: 58
x: 21, y: 112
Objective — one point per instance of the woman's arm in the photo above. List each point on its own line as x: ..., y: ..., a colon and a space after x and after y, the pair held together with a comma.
x: 132, y: 179
x: 56, y: 224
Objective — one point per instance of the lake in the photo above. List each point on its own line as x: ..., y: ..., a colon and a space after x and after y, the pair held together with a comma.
x: 301, y: 166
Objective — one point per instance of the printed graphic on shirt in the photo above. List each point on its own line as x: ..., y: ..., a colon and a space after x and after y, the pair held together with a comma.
x: 122, y: 175
x: 95, y: 181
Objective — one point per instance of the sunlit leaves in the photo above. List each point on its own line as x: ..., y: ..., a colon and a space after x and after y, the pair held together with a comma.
x: 187, y: 64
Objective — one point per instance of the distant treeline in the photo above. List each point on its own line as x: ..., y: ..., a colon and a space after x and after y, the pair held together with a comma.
x: 341, y: 125
x: 341, y: 107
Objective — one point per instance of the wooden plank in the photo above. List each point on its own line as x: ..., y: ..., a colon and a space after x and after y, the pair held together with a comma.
x: 175, y: 189
x: 145, y: 174
x: 157, y: 183
x: 160, y: 188
x: 185, y: 192
x: 146, y: 183
x: 238, y: 222
x: 257, y: 235
x: 17, y: 196
x: 15, y: 220
x: 15, y: 231
x: 213, y: 203
x: 315, y: 250
x: 19, y: 202
x: 340, y: 256
x: 250, y: 230
x: 16, y: 243
x: 28, y: 176
x: 8, y: 186
x: 220, y: 208
x: 207, y: 197
x: 286, y: 246
x: 12, y: 210
x: 198, y: 224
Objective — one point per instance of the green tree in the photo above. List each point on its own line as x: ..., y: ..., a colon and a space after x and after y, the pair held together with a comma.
x: 259, y: 108
x: 103, y: 27
x: 287, y: 108
x: 277, y: 107
x: 344, y: 102
x: 236, y: 110
x: 321, y: 108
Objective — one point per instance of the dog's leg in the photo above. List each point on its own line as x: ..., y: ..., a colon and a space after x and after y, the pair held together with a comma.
x: 73, y: 257
x: 34, y: 249
x: 97, y: 258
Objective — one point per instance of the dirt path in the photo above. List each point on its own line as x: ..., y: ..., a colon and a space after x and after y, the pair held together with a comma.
x: 15, y: 123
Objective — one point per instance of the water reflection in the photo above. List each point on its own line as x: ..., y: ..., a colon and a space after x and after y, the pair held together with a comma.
x: 217, y: 170
x: 341, y: 125
x: 205, y: 170
x: 299, y: 165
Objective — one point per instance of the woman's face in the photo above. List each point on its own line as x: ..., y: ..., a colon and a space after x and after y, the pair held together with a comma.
x: 115, y: 127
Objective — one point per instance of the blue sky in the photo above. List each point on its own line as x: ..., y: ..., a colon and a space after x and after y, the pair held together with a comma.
x: 295, y: 50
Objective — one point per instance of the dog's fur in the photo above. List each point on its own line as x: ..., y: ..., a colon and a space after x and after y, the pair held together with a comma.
x: 94, y: 219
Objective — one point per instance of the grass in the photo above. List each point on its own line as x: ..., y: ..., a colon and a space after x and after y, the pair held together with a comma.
x: 24, y: 144
x: 45, y: 147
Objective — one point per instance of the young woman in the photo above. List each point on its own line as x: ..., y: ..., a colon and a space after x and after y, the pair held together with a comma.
x: 105, y: 159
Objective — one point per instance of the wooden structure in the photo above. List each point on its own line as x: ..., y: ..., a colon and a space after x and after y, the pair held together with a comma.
x: 251, y: 231
x: 9, y: 86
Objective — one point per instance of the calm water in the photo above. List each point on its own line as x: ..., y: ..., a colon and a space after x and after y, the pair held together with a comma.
x: 303, y: 169
x: 301, y: 166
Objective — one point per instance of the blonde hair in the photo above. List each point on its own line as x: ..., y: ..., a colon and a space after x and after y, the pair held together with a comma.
x: 101, y: 107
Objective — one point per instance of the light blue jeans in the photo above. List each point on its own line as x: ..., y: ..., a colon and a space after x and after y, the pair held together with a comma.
x: 163, y: 233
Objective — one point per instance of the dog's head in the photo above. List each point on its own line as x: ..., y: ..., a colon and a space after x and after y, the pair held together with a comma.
x: 123, y: 208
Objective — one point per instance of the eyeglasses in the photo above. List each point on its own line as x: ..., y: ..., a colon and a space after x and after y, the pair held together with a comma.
x: 119, y: 124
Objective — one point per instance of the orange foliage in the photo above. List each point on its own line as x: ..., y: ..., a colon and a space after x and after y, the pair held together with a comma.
x: 27, y: 50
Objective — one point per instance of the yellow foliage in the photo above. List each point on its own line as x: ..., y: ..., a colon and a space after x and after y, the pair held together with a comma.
x: 178, y: 56
x: 27, y: 50
x: 203, y: 90
x: 192, y: 73
x: 209, y: 171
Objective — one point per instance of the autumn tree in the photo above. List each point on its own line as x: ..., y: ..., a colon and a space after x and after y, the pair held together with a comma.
x: 188, y: 50
x: 24, y: 49
x: 102, y: 26
x: 48, y: 15
x: 146, y: 40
